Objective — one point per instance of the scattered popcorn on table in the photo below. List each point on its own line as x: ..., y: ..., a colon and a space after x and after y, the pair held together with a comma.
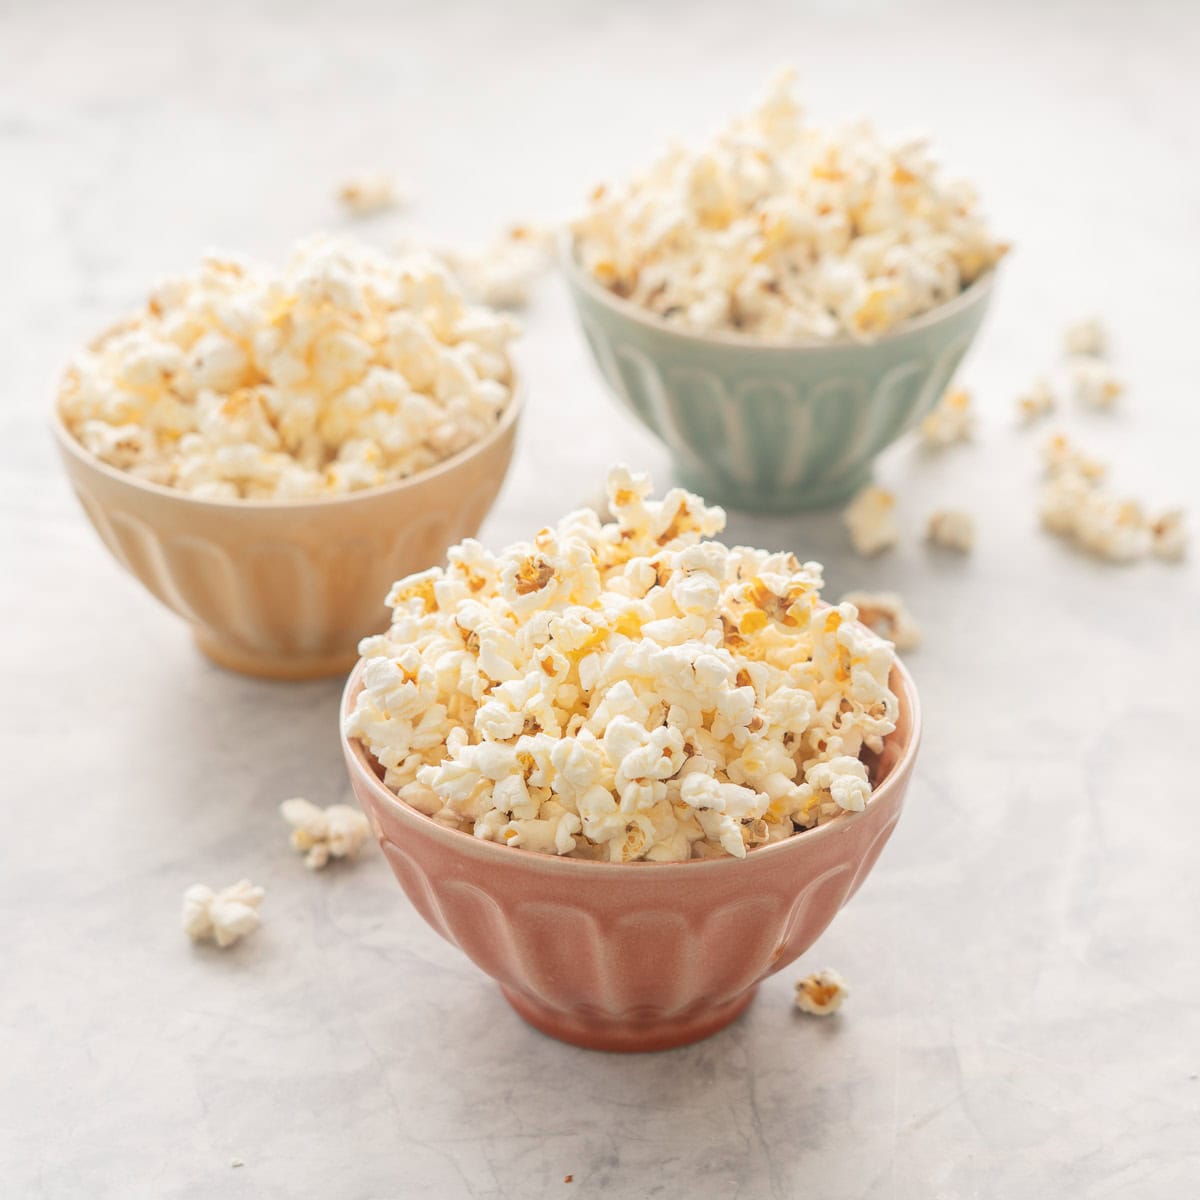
x: 369, y: 193
x: 347, y: 370
x: 952, y: 529
x: 781, y: 229
x: 1087, y: 337
x: 1169, y: 536
x: 871, y: 520
x: 223, y: 917
x: 822, y: 993
x: 625, y: 691
x: 1037, y: 401
x: 951, y: 421
x: 887, y: 615
x: 1096, y: 384
x: 1075, y: 505
x: 502, y: 273
x: 324, y: 833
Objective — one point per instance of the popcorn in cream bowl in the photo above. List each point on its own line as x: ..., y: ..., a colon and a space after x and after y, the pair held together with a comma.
x: 628, y: 770
x: 783, y: 303
x: 267, y: 449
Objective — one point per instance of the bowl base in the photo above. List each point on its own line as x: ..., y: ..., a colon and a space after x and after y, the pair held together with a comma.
x: 795, y: 498
x: 264, y: 665
x: 631, y: 1036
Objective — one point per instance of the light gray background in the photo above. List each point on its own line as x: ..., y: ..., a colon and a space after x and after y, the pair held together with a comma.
x: 1024, y: 1018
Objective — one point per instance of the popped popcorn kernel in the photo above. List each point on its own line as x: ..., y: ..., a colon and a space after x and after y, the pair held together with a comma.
x: 871, y: 520
x: 626, y: 690
x: 952, y: 529
x: 223, y: 917
x: 1169, y: 535
x: 778, y: 228
x: 1037, y: 401
x: 369, y: 192
x: 886, y: 614
x: 1087, y: 338
x: 348, y: 369
x: 951, y: 421
x: 321, y: 834
x: 1096, y: 384
x: 821, y: 993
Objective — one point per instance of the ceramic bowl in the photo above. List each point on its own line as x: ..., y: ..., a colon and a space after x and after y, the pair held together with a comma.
x: 285, y: 589
x: 634, y: 956
x: 773, y: 426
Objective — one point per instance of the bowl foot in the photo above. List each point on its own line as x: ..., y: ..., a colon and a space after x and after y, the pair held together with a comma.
x: 265, y: 665
x: 629, y: 1036
x: 764, y: 498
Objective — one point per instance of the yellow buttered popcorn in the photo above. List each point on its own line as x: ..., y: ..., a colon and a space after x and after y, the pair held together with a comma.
x: 625, y: 690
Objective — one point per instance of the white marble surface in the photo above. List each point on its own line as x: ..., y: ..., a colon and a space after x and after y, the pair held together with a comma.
x: 1025, y: 1019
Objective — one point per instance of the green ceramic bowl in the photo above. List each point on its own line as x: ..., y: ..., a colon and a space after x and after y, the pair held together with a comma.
x: 766, y: 425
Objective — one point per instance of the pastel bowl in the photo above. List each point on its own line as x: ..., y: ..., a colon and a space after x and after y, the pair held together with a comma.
x: 773, y: 426
x: 634, y: 956
x: 282, y: 589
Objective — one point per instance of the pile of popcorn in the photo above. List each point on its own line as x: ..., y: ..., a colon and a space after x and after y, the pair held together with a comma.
x: 347, y: 370
x: 782, y: 229
x: 625, y: 691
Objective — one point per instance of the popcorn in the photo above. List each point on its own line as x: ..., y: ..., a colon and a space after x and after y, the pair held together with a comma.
x: 223, y: 917
x: 1096, y: 384
x: 625, y: 691
x: 951, y: 421
x: 952, y: 529
x: 1074, y: 505
x: 888, y: 615
x: 871, y: 520
x: 1087, y: 337
x: 821, y: 993
x: 1169, y: 537
x: 781, y: 229
x: 347, y: 370
x: 324, y: 833
x: 502, y: 273
x: 1037, y: 401
x: 368, y: 193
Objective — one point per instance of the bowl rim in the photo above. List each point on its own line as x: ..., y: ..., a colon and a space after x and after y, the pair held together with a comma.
x: 71, y: 445
x: 456, y: 840
x: 582, y: 280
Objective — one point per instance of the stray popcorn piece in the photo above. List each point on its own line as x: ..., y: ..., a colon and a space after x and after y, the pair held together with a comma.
x: 1096, y: 384
x: 1169, y: 536
x: 871, y: 519
x: 781, y: 229
x: 625, y: 691
x: 1060, y: 456
x: 886, y: 614
x: 349, y: 369
x: 324, y: 833
x: 370, y: 192
x: 951, y: 421
x: 952, y: 529
x: 223, y: 917
x: 822, y: 993
x: 1038, y: 401
x: 502, y: 273
x: 1085, y: 338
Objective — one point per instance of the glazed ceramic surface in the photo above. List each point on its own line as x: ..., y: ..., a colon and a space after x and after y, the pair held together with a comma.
x: 637, y: 956
x: 286, y: 590
x: 772, y: 426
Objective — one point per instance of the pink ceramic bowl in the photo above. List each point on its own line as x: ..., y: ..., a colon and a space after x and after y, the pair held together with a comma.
x: 635, y: 956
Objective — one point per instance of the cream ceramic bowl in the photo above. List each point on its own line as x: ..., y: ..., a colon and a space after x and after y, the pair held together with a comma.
x: 772, y: 426
x: 284, y: 589
x: 634, y: 956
